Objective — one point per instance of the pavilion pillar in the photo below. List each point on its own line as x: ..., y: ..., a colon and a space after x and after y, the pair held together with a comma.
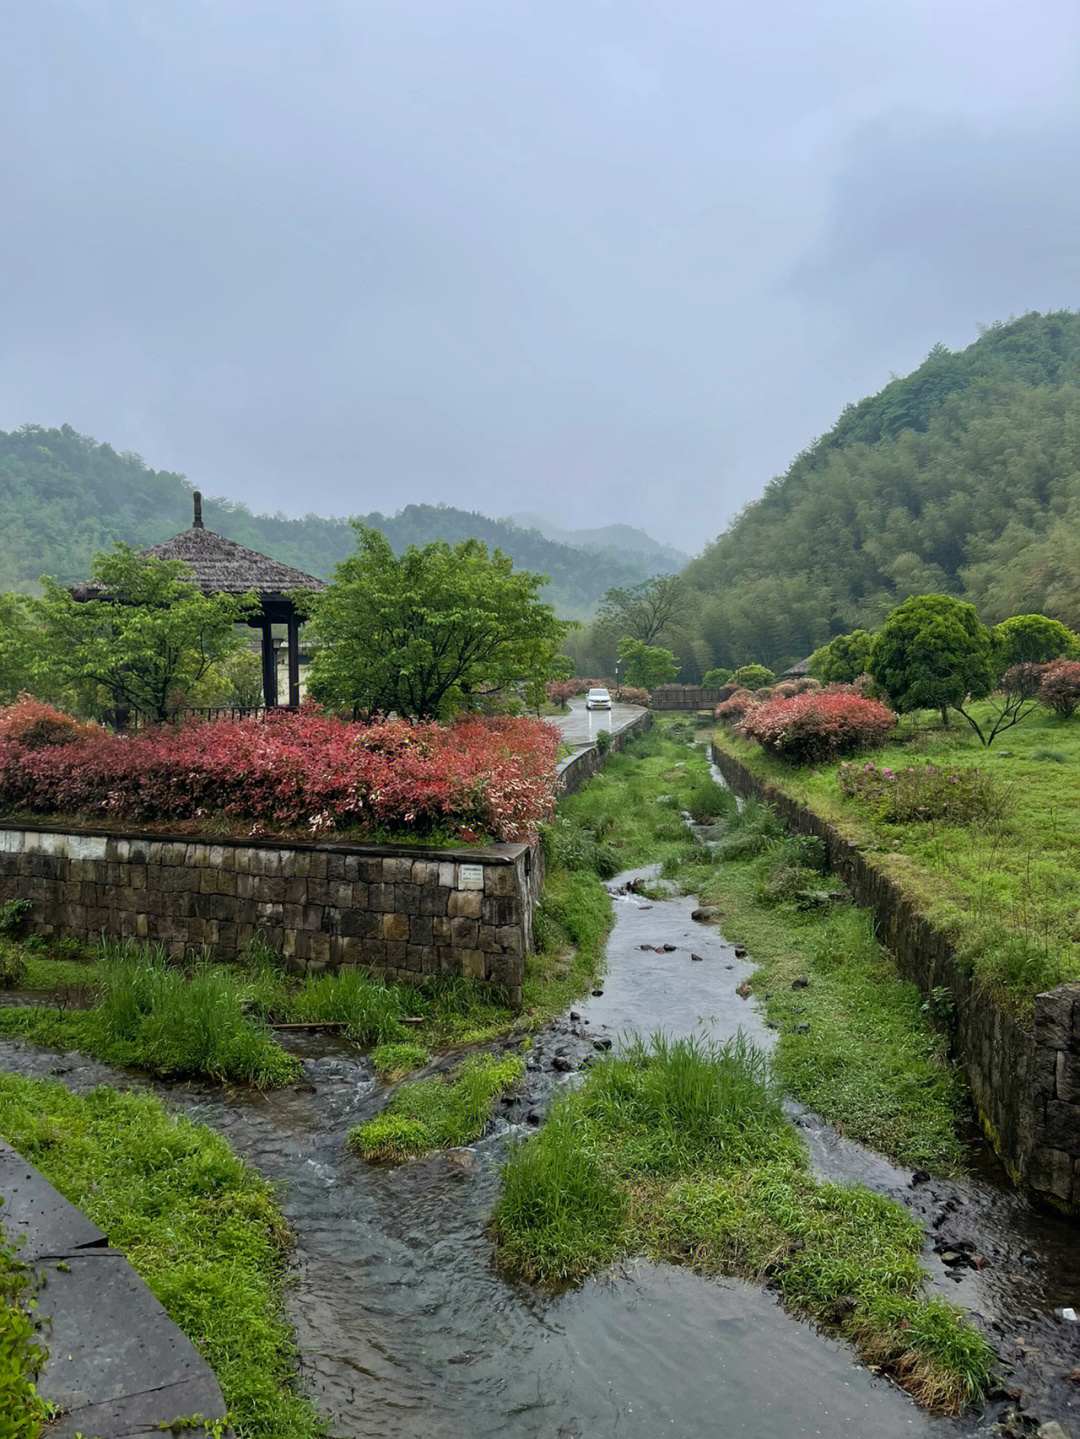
x: 294, y: 661
x: 269, y: 664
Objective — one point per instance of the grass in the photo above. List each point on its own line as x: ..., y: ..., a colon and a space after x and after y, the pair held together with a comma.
x: 1006, y: 888
x: 436, y: 1113
x: 199, y: 1227
x: 393, y: 1061
x: 22, y: 1410
x: 680, y: 1150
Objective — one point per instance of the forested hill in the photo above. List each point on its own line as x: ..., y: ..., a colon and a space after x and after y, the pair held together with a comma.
x: 962, y: 477
x: 64, y: 497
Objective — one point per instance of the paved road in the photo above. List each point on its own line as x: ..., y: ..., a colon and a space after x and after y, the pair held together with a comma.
x: 580, y: 726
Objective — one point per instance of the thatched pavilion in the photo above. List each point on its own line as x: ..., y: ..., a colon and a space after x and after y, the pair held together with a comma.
x: 222, y: 567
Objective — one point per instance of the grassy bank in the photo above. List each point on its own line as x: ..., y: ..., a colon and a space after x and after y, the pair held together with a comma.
x: 1005, y: 883
x: 22, y: 1410
x: 198, y: 1226
x: 682, y: 1152
x: 438, y: 1113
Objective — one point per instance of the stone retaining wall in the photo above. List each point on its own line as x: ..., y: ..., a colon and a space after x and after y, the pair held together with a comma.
x: 404, y: 913
x: 574, y: 771
x: 1024, y: 1077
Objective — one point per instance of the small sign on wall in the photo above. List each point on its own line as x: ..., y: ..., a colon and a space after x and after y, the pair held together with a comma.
x: 470, y: 876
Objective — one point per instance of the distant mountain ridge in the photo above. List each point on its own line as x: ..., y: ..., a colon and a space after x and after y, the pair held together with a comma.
x: 609, y: 539
x: 64, y: 497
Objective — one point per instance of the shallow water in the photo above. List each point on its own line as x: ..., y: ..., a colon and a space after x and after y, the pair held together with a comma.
x: 406, y: 1329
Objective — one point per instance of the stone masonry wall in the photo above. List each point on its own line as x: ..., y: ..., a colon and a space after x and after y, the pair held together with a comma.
x: 401, y: 912
x: 1025, y: 1078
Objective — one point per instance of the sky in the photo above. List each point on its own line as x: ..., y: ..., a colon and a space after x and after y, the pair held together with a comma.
x: 603, y: 260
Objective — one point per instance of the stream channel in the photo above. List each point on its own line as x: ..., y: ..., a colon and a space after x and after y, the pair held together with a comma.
x: 407, y: 1330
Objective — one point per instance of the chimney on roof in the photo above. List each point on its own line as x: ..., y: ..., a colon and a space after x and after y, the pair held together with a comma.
x: 197, y: 523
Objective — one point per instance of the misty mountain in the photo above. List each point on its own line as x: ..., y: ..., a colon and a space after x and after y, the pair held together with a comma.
x: 962, y: 477
x: 610, y: 540
x: 64, y: 497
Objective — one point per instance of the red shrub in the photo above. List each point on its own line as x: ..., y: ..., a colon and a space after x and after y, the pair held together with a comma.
x: 1060, y: 686
x: 477, y: 776
x: 31, y: 724
x: 630, y: 695
x: 813, y: 727
x: 733, y: 711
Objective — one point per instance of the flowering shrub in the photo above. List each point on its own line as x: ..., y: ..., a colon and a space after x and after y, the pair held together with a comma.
x: 631, y: 695
x: 34, y: 725
x: 788, y: 689
x: 1060, y: 686
x: 478, y: 776
x: 814, y: 727
x: 733, y: 711
x: 956, y: 795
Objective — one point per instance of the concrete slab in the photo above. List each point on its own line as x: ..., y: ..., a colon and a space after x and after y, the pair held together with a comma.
x: 118, y: 1367
x: 32, y: 1208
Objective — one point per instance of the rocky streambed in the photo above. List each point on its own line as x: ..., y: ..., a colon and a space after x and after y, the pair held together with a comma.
x: 407, y: 1329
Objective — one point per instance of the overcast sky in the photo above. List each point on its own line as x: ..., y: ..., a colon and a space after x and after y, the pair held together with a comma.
x: 604, y: 261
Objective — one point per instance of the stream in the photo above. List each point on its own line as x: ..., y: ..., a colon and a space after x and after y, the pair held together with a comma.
x: 407, y: 1330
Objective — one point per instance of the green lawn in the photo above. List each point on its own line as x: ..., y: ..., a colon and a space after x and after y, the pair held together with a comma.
x: 1007, y: 885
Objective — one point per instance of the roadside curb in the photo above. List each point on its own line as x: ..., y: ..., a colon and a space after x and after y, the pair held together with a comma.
x: 118, y: 1367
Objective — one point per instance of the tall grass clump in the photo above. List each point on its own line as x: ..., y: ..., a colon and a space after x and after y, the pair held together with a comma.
x: 679, y: 1149
x: 370, y: 1009
x: 151, y: 1014
x: 436, y: 1113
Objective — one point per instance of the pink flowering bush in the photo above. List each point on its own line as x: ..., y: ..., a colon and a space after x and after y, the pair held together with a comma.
x: 1059, y: 688
x: 810, y: 728
x: 732, y: 711
x: 953, y: 794
x: 478, y: 776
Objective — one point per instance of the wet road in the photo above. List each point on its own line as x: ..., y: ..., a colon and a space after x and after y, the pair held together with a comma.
x: 579, y: 726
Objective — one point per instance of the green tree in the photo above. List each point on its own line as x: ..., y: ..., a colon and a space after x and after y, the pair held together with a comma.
x: 646, y: 666
x: 16, y: 647
x: 1032, y: 640
x: 933, y: 652
x: 843, y: 659
x: 145, y: 638
x: 715, y: 679
x: 644, y: 611
x: 753, y: 677
x: 427, y: 632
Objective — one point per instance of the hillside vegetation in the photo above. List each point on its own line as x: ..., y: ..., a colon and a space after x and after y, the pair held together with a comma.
x: 963, y: 478
x: 64, y: 497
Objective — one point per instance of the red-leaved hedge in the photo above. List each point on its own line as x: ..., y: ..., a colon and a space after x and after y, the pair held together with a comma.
x: 733, y: 710
x: 809, y: 728
x: 1059, y: 688
x: 476, y: 777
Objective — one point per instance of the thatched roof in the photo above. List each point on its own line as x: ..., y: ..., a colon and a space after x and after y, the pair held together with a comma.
x: 798, y: 671
x: 222, y: 567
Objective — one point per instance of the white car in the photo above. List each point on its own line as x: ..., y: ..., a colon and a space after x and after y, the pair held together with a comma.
x: 598, y: 699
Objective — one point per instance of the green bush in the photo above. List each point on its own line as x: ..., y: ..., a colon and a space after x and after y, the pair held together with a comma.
x: 753, y: 677
x: 436, y: 1113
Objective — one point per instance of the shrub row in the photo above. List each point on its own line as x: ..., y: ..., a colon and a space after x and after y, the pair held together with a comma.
x: 477, y: 777
x: 811, y: 725
x: 561, y: 692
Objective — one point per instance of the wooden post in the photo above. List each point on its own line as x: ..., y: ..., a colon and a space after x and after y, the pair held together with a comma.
x: 294, y: 661
x: 269, y: 664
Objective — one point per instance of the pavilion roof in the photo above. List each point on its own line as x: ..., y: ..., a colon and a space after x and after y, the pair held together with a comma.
x: 222, y: 567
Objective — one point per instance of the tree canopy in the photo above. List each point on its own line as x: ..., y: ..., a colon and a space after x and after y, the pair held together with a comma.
x: 933, y: 652
x: 430, y: 631
x: 147, y: 638
x: 646, y: 666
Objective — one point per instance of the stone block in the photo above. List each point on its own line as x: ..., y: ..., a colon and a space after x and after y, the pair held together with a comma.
x: 1061, y: 1128
x: 463, y: 933
x: 440, y: 929
x: 425, y: 872
x: 396, y: 954
x: 508, y: 937
x: 362, y: 923
x: 447, y: 875
x: 397, y: 871
x: 319, y: 948
x: 1053, y: 1020
x: 434, y: 899
x: 339, y: 894
x: 473, y: 964
x: 312, y: 917
x: 465, y: 904
x: 335, y: 868
x: 420, y: 931
x: 486, y: 939
x: 382, y: 898
x: 369, y: 869
x: 395, y: 926
x: 1067, y: 1081
x: 414, y: 958
x: 500, y: 880
x: 317, y: 864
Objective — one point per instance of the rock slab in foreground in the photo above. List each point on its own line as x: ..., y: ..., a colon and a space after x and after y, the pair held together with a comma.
x: 118, y: 1366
